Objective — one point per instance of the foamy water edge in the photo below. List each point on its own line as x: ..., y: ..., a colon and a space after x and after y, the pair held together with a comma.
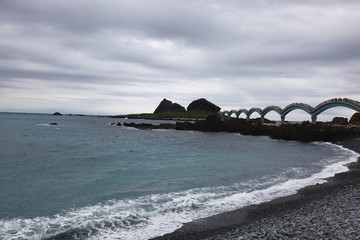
x: 159, y: 214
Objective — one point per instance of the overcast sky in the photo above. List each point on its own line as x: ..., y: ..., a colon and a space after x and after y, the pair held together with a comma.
x: 115, y: 57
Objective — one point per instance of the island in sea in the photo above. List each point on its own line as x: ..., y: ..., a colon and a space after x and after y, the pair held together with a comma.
x: 167, y: 110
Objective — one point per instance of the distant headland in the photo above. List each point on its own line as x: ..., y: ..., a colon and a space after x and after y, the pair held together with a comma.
x: 167, y: 110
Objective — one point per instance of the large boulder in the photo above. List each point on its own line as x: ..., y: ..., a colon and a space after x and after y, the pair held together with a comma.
x: 340, y: 121
x: 203, y: 105
x: 355, y: 119
x: 167, y: 106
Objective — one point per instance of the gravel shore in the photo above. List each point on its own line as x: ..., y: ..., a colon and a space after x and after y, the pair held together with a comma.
x: 327, y: 211
x: 336, y: 216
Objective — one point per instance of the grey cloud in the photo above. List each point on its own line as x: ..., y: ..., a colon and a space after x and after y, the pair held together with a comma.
x: 158, y: 19
x: 145, y: 44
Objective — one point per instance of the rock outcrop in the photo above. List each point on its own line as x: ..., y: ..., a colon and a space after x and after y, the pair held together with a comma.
x: 340, y: 121
x: 57, y: 114
x: 203, y: 105
x: 355, y: 119
x: 167, y: 106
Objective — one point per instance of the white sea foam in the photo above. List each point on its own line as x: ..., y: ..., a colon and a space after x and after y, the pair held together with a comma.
x: 163, y: 130
x: 157, y: 214
x: 130, y: 128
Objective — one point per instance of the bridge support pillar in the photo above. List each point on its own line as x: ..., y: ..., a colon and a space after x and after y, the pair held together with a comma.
x: 247, y: 118
x: 262, y: 120
x: 282, y: 119
x: 313, y: 119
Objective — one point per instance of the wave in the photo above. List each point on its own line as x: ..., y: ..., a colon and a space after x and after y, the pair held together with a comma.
x: 156, y: 214
x: 47, y: 124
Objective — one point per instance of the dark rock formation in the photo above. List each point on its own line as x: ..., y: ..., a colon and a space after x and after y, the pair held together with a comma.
x: 148, y: 126
x: 355, y: 119
x: 77, y: 115
x: 167, y: 106
x: 203, y: 105
x: 57, y: 114
x: 53, y: 124
x: 300, y: 132
x: 305, y: 131
x: 177, y: 108
x: 340, y: 121
x: 215, y: 124
x: 212, y: 124
x: 116, y: 124
x: 314, y: 132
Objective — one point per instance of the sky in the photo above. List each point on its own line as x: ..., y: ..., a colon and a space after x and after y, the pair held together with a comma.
x: 116, y: 57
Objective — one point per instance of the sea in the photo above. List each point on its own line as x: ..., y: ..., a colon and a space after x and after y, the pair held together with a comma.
x: 85, y: 178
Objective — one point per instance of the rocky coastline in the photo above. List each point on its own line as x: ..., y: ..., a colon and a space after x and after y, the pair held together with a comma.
x: 304, y: 131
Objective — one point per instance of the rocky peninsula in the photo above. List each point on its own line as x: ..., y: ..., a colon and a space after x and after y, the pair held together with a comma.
x: 305, y: 131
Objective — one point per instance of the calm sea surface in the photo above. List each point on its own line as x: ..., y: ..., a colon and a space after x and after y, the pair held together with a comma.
x: 86, y: 179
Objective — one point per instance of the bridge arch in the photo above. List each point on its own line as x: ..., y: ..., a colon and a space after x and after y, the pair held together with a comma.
x: 231, y: 112
x: 271, y: 108
x: 240, y: 111
x: 294, y: 106
x: 225, y: 113
x: 252, y: 110
x: 327, y: 105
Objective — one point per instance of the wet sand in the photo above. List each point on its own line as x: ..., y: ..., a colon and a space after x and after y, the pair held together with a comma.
x: 325, y: 211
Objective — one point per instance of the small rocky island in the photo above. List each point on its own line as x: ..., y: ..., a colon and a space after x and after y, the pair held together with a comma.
x: 199, y: 109
x: 199, y: 105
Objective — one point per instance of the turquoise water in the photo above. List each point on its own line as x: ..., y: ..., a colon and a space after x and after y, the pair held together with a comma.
x: 86, y: 179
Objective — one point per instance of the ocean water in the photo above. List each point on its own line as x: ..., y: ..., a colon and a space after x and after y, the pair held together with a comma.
x: 87, y: 179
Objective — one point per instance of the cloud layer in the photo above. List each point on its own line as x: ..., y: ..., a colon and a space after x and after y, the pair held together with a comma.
x: 110, y: 57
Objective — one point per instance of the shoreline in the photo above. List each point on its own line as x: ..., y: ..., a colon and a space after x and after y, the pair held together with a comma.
x: 242, y: 222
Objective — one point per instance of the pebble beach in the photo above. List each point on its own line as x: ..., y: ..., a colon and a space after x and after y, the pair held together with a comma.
x: 326, y: 211
x: 336, y: 216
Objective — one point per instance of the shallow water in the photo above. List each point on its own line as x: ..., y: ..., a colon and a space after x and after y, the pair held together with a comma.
x: 86, y: 179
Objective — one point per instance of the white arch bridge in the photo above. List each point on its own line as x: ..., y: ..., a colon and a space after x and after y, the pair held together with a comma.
x: 313, y: 111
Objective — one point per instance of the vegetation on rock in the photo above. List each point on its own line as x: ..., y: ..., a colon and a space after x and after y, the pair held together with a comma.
x: 167, y: 106
x: 199, y: 109
x: 203, y: 105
